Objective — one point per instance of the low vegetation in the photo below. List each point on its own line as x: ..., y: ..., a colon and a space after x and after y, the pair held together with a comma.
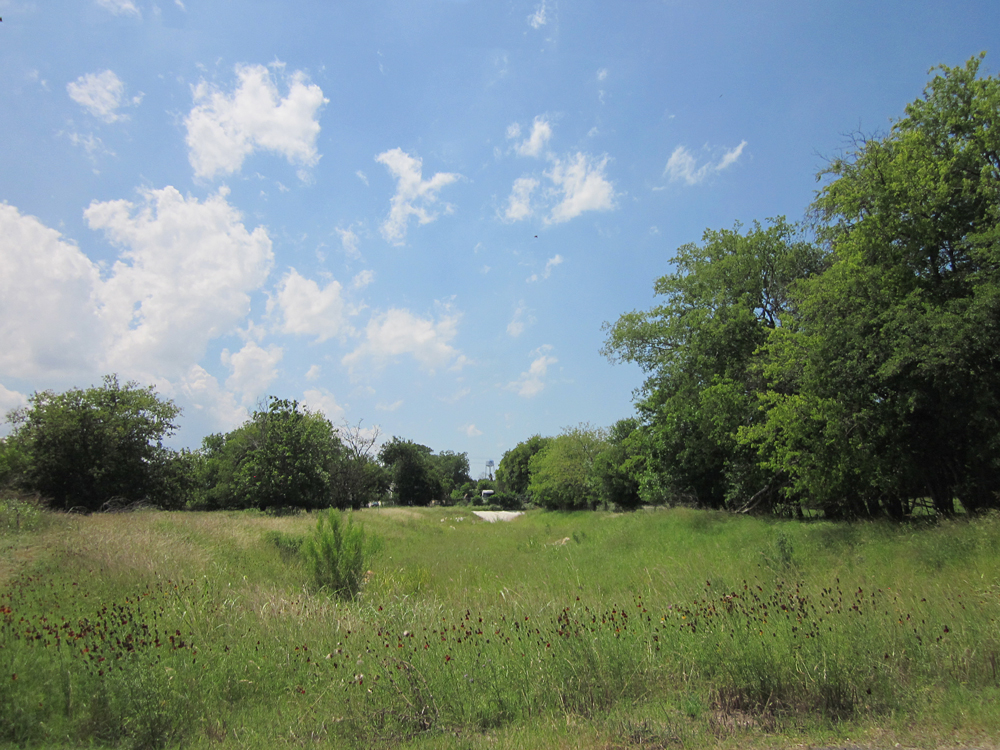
x: 667, y: 628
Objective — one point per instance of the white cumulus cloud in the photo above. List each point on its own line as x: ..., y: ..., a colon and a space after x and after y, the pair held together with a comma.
x: 203, y: 394
x: 10, y: 400
x: 397, y: 332
x: 471, y: 430
x: 48, y: 289
x: 532, y: 382
x: 225, y: 128
x: 101, y: 94
x: 308, y: 310
x: 582, y: 185
x: 414, y: 195
x: 534, y: 144
x: 519, y: 202
x: 184, y: 276
x: 578, y: 183
x: 682, y: 165
x: 254, y: 369
x: 321, y: 400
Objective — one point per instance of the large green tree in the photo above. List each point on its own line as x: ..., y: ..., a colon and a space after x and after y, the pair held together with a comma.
x: 283, y: 456
x: 888, y: 389
x: 414, y: 476
x: 86, y: 448
x: 453, y: 470
x: 562, y: 473
x: 698, y: 348
x: 618, y: 468
x: 513, y: 473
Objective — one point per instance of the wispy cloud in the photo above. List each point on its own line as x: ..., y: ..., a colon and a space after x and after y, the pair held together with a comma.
x: 349, y: 241
x: 101, y: 94
x: 532, y: 382
x: 414, y: 195
x: 549, y: 265
x: 120, y: 7
x: 682, y: 165
x: 534, y: 144
x: 363, y: 278
x: 519, y: 201
x: 522, y: 318
x: 539, y: 18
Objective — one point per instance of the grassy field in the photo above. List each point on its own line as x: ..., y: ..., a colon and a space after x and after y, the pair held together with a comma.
x: 658, y: 629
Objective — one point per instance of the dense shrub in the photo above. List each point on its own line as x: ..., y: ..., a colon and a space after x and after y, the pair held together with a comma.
x: 338, y: 553
x: 86, y: 448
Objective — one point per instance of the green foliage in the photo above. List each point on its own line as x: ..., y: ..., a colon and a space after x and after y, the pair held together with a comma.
x: 288, y: 545
x: 888, y: 388
x: 290, y: 457
x: 283, y: 456
x: 414, y: 481
x: 19, y: 513
x: 698, y: 348
x: 513, y: 474
x: 87, y: 448
x: 506, y: 501
x: 618, y: 466
x: 13, y: 463
x: 562, y: 475
x: 858, y: 376
x: 453, y: 468
x: 419, y: 477
x: 338, y: 554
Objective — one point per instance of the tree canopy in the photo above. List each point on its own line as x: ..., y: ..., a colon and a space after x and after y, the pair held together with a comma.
x: 887, y: 390
x: 85, y: 448
x: 858, y: 373
x: 698, y: 348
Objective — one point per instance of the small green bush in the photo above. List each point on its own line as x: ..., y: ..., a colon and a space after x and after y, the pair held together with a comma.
x: 338, y: 554
x: 20, y: 513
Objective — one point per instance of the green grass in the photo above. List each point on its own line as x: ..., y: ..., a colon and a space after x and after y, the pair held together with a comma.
x: 661, y: 629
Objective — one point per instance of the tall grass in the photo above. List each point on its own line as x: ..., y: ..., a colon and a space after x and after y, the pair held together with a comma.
x: 670, y: 627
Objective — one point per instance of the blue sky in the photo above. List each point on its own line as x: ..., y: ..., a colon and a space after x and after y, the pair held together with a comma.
x: 413, y: 214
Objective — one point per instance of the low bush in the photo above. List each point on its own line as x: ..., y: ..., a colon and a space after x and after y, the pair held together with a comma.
x: 19, y: 512
x: 338, y: 554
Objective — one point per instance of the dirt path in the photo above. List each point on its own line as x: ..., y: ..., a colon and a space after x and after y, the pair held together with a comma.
x: 498, y: 515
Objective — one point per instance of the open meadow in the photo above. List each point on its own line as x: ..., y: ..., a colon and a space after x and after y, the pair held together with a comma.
x: 656, y: 629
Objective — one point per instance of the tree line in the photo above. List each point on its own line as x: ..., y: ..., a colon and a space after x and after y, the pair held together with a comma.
x: 849, y: 364
x: 101, y: 448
